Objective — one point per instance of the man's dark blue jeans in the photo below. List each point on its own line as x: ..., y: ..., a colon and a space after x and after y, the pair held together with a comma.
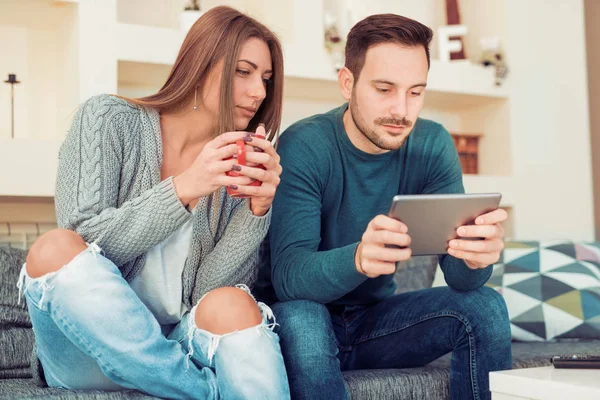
x: 403, y: 331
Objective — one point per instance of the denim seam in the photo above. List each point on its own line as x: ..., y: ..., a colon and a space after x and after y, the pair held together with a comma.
x: 408, y: 325
x: 346, y: 332
x: 469, y: 330
x: 472, y: 354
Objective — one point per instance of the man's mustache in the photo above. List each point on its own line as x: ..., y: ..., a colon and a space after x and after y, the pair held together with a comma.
x: 394, y: 121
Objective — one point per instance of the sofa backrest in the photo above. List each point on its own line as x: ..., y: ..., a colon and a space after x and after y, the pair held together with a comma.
x: 416, y: 273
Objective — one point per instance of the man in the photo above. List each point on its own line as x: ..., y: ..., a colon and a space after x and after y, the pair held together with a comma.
x: 332, y: 244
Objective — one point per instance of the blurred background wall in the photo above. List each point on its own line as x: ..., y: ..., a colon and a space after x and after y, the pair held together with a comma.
x: 535, y: 130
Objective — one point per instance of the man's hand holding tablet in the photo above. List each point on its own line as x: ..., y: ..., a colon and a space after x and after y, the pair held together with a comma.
x: 480, y: 253
x: 466, y: 226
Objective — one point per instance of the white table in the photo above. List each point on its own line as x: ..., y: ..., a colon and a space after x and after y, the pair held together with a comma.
x: 545, y: 383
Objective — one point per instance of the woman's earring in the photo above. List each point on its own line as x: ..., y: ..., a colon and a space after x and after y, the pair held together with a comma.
x: 195, y: 95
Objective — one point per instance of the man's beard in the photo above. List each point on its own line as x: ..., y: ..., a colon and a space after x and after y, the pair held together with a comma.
x: 375, y: 138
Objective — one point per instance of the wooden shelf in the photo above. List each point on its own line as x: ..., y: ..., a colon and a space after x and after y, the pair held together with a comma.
x: 133, y: 73
x: 25, y: 210
x: 471, y: 82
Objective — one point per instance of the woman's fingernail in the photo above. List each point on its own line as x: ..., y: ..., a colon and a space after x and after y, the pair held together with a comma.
x: 248, y: 139
x: 261, y: 131
x: 232, y: 187
x: 461, y: 231
x: 258, y: 149
x: 236, y: 168
x: 234, y: 156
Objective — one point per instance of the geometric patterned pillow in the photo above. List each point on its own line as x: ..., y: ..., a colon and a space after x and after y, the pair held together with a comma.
x: 551, y: 289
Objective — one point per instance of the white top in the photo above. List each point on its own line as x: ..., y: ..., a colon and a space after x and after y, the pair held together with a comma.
x: 547, y: 383
x: 159, y: 283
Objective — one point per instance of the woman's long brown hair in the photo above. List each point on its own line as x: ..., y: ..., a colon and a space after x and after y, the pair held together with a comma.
x: 218, y: 35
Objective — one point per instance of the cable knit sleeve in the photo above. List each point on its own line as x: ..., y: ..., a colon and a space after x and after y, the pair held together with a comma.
x: 91, y: 165
x: 234, y: 259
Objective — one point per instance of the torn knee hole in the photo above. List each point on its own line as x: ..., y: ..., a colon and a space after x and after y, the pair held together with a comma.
x: 226, y: 310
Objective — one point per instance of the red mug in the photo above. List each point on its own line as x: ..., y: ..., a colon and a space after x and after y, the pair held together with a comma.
x: 241, y: 160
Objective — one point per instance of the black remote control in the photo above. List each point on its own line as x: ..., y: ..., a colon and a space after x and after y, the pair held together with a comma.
x: 576, y: 361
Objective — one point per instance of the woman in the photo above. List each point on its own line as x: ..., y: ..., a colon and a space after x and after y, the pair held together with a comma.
x: 138, y: 288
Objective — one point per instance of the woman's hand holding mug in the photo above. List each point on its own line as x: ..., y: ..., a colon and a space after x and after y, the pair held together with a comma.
x: 258, y: 160
x: 244, y: 162
x: 208, y: 171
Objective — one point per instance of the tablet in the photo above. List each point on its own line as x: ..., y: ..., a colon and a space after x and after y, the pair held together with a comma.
x: 432, y: 219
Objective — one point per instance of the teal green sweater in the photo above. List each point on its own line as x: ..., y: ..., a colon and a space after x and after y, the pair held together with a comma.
x: 329, y: 192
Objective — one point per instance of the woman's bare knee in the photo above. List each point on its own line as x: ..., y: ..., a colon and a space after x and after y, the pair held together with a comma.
x: 226, y: 310
x: 51, y: 251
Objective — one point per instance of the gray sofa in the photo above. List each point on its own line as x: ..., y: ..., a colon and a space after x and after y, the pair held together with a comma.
x: 429, y: 382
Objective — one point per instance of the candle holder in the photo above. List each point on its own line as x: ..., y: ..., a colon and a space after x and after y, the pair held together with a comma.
x: 12, y: 80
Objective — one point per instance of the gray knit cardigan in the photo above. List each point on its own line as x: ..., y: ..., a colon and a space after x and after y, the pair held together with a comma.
x: 109, y: 191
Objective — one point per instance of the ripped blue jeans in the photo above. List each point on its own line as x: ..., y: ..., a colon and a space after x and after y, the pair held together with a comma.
x: 93, y: 332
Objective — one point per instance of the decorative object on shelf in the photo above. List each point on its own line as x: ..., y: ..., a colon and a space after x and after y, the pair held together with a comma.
x: 492, y: 55
x: 192, y: 5
x: 334, y: 43
x: 447, y: 46
x: 190, y: 14
x: 449, y: 36
x: 12, y: 80
x: 467, y: 146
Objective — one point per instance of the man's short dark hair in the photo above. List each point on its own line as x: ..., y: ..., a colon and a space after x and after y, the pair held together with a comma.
x: 383, y: 28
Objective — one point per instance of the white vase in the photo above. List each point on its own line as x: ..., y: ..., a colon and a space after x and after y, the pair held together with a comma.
x: 188, y: 18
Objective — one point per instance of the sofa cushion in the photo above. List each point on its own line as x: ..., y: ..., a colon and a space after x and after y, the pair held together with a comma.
x: 15, y: 373
x: 12, y: 311
x: 431, y: 382
x: 26, y: 389
x: 16, y: 344
x: 16, y: 336
x: 538, y: 354
x: 551, y: 289
x: 407, y: 384
x: 415, y: 274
